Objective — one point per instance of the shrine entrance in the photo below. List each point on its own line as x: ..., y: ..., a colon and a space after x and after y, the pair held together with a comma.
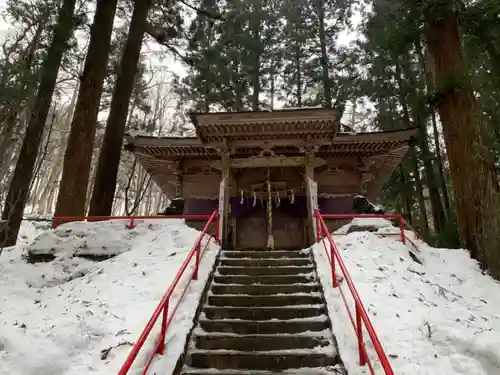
x: 270, y: 211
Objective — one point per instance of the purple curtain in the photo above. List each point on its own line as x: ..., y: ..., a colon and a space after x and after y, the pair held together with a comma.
x: 200, y: 206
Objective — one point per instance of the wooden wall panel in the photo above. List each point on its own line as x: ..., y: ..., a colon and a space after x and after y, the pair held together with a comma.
x: 200, y: 185
x: 338, y: 183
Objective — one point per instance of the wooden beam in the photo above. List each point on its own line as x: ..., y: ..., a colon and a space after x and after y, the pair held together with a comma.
x: 264, y: 132
x: 299, y: 142
x: 268, y: 162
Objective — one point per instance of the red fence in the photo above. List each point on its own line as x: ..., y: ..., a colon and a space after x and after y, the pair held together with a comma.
x: 163, y: 306
x: 361, y: 317
x: 58, y: 220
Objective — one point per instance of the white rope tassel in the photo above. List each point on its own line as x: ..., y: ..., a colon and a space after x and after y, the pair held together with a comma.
x: 254, y: 199
x: 277, y: 199
x: 292, y: 197
x: 242, y: 198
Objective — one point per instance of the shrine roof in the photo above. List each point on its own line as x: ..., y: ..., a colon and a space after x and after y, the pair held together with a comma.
x: 362, y: 144
x: 214, y: 127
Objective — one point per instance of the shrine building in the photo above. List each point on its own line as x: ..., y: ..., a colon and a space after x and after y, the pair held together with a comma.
x: 267, y: 171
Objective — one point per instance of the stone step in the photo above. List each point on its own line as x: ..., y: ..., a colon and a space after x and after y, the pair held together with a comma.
x: 274, y: 361
x: 266, y: 254
x: 327, y: 370
x: 263, y: 279
x: 264, y: 270
x: 263, y: 313
x: 266, y: 262
x: 279, y: 300
x: 264, y: 289
x: 259, y: 343
x: 246, y: 327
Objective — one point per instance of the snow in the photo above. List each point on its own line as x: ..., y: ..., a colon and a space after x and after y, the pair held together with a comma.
x: 63, y: 316
x: 437, y: 317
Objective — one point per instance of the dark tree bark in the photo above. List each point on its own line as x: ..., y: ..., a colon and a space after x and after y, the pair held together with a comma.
x: 255, y: 24
x: 475, y: 185
x: 439, y: 160
x: 78, y: 156
x: 103, y: 193
x: 407, y: 194
x: 413, y: 155
x: 438, y: 214
x: 319, y: 6
x: 19, y: 188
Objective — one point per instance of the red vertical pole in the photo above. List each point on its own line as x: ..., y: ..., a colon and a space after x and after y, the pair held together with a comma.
x: 163, y: 332
x: 318, y: 226
x: 359, y: 333
x: 197, y: 261
x: 402, y: 229
x: 332, y: 258
x: 132, y: 223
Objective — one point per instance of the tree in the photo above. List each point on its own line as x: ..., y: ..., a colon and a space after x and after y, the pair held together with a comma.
x: 77, y: 159
x: 475, y: 183
x: 19, y: 188
x: 103, y: 193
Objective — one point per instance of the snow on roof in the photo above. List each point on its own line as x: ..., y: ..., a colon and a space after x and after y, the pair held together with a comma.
x: 438, y: 317
x: 73, y: 316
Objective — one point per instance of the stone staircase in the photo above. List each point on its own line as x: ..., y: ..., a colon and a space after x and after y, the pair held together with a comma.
x: 264, y: 314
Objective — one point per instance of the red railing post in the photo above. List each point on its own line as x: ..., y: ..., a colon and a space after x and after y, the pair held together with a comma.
x: 197, y: 260
x: 359, y: 333
x: 402, y: 228
x: 163, y: 332
x: 132, y: 223
x: 332, y: 259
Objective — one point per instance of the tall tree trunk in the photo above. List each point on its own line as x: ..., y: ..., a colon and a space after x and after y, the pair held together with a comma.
x: 475, y: 184
x: 406, y: 195
x: 298, y: 71
x: 438, y: 214
x: 103, y: 193
x: 413, y: 155
x: 439, y: 160
x: 424, y: 220
x: 78, y: 156
x: 429, y: 87
x: 255, y: 23
x: 20, y: 185
x: 325, y: 66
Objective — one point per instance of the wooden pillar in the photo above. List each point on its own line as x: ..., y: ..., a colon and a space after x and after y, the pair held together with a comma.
x: 225, y: 176
x: 309, y: 173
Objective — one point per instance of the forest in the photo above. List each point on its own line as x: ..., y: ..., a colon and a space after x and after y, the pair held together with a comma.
x: 77, y: 75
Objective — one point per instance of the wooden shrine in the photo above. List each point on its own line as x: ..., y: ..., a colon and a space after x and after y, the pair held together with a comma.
x: 267, y: 171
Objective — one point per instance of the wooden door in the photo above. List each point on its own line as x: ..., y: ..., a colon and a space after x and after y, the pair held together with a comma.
x: 288, y: 231
x: 251, y: 230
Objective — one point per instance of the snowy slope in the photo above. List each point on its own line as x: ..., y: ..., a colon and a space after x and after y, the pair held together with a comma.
x: 74, y: 316
x: 442, y: 317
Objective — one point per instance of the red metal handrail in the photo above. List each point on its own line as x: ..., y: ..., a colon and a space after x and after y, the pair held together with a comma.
x: 360, y: 311
x: 164, y: 303
x: 65, y: 219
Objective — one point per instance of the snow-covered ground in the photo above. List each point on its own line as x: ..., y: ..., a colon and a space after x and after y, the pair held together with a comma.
x: 75, y: 316
x: 439, y: 317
